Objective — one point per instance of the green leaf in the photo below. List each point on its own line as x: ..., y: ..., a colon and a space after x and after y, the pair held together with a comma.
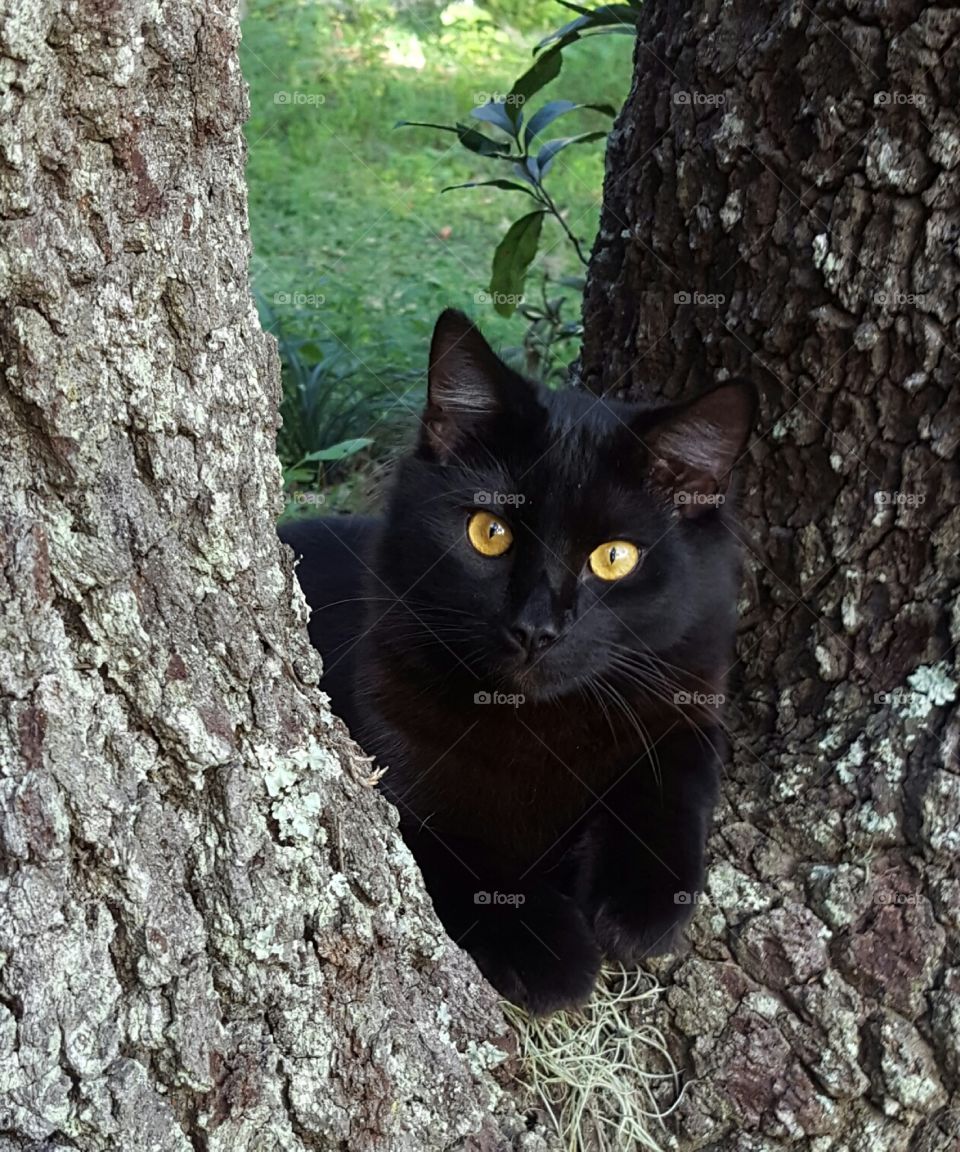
x: 507, y: 184
x: 611, y: 17
x: 469, y: 137
x: 548, y: 152
x: 477, y: 142
x: 495, y: 112
x: 424, y: 124
x: 513, y: 257
x: 546, y: 115
x: 337, y: 451
x: 538, y: 75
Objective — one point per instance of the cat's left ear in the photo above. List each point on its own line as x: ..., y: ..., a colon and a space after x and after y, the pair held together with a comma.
x: 693, y: 447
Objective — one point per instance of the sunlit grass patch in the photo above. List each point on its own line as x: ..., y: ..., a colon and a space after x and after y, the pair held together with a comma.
x: 347, y: 211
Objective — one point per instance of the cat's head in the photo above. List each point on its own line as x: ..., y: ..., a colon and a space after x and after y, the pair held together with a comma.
x: 542, y: 539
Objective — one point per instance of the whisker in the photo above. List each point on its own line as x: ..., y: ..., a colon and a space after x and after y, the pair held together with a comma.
x: 635, y: 677
x: 649, y: 747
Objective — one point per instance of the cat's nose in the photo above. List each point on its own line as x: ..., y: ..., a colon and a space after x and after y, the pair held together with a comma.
x: 533, y: 638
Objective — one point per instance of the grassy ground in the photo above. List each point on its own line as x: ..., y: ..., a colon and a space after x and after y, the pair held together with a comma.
x: 354, y: 245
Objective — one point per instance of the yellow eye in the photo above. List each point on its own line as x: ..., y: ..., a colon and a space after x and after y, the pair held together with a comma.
x: 614, y: 559
x: 490, y: 536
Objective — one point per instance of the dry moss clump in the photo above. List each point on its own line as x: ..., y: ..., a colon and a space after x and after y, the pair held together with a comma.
x: 596, y: 1072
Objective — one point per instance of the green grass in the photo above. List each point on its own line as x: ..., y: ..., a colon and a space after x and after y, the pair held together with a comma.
x: 354, y: 245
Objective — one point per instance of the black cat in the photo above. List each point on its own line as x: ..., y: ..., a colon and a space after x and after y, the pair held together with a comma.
x: 532, y: 641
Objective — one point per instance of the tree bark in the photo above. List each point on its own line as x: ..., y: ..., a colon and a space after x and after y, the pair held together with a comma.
x: 211, y: 935
x: 782, y: 200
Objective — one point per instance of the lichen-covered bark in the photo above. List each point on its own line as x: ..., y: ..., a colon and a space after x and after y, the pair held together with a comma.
x: 783, y: 199
x: 211, y: 936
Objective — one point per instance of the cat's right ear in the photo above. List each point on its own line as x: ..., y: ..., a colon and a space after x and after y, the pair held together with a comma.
x: 694, y: 446
x: 465, y: 384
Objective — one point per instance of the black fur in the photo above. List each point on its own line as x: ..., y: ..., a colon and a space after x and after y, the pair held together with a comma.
x: 585, y: 807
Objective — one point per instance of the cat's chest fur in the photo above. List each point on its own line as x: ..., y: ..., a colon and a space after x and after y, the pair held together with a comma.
x: 524, y: 772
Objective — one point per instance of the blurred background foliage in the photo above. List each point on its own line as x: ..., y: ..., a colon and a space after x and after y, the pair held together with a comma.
x: 356, y: 251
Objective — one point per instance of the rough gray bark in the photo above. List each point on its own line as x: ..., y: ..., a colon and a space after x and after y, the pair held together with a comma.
x: 211, y: 936
x: 808, y: 177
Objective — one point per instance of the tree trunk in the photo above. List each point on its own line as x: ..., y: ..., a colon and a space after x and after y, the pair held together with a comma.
x: 782, y: 200
x: 211, y: 936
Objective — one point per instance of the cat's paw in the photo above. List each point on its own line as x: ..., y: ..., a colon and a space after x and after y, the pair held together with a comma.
x: 543, y: 963
x: 627, y: 934
x: 539, y: 988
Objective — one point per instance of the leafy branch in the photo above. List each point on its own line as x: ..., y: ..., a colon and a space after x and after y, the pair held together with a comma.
x: 518, y: 147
